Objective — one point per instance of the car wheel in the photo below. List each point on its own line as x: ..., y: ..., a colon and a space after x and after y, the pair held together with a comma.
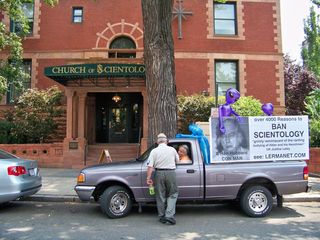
x: 256, y: 201
x: 116, y: 202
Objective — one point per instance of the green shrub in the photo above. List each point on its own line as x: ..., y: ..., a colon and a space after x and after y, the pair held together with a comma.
x: 194, y: 108
x: 248, y: 106
x: 5, y: 130
x: 312, y: 104
x: 314, y: 132
x: 33, y: 118
x: 197, y: 108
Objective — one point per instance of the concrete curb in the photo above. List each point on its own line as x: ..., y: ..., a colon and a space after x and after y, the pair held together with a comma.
x: 302, y: 199
x: 74, y: 198
x: 52, y: 198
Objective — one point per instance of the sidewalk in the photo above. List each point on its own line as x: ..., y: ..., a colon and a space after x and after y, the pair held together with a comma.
x: 58, y: 185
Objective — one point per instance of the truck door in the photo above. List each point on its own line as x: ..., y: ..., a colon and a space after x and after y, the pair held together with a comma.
x: 189, y: 177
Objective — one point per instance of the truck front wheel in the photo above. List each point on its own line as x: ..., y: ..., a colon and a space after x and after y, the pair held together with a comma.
x: 256, y: 201
x: 116, y: 202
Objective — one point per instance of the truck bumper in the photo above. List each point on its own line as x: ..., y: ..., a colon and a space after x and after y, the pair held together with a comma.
x: 84, y: 192
x: 308, y: 188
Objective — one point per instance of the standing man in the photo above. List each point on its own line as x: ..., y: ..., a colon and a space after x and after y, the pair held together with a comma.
x: 163, y: 159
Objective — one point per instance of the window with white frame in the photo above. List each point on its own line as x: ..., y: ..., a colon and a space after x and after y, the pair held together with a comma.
x: 77, y: 14
x: 225, y: 18
x: 226, y: 76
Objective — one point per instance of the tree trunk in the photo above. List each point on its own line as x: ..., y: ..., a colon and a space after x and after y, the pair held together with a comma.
x: 160, y: 68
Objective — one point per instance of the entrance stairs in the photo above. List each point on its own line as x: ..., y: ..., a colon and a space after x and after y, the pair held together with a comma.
x: 118, y: 152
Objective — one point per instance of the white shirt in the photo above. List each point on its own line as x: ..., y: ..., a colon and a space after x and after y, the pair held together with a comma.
x: 163, y: 157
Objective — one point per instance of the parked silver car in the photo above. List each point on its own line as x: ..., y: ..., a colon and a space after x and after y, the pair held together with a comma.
x: 18, y: 177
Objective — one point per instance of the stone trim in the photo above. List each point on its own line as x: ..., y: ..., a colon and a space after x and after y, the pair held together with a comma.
x: 240, y: 22
x: 277, y: 27
x: 211, y: 79
x: 36, y: 19
x: 112, y: 31
x: 280, y: 83
x: 34, y: 72
x: 242, y: 77
x: 184, y: 55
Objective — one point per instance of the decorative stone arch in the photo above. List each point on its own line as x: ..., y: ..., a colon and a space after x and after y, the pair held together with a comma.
x: 112, y: 31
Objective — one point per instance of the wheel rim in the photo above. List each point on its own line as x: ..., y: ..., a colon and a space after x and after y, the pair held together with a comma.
x: 118, y: 203
x: 258, y: 202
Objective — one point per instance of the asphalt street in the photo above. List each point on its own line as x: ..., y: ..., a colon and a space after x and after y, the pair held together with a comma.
x: 42, y: 220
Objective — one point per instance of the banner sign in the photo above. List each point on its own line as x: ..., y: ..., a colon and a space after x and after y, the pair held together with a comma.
x: 95, y: 70
x: 270, y: 138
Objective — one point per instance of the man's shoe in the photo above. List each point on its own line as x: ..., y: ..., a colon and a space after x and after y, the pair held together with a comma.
x: 170, y: 221
x: 163, y: 219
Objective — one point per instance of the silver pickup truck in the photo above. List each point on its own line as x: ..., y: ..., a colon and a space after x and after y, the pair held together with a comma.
x: 116, y: 186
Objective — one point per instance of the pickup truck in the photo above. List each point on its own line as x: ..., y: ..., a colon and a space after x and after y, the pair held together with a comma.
x: 117, y: 186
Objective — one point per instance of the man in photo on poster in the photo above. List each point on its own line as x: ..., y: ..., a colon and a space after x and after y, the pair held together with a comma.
x: 233, y: 145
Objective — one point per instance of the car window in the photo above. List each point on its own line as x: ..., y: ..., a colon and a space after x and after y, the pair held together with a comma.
x: 6, y: 155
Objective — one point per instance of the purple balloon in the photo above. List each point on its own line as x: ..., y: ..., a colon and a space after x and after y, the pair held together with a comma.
x: 267, y: 108
x: 232, y: 95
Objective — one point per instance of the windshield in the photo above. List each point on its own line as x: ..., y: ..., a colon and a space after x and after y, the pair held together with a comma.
x: 5, y: 155
x: 146, y: 154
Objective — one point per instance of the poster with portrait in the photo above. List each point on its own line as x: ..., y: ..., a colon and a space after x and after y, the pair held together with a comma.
x: 267, y: 138
x: 233, y: 145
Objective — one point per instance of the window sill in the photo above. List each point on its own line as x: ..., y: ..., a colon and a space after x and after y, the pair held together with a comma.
x: 226, y: 37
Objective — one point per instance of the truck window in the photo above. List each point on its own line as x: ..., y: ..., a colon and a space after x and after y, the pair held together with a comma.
x: 184, y: 152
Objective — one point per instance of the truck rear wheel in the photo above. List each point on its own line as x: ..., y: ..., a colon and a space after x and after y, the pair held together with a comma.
x: 256, y: 201
x: 116, y: 202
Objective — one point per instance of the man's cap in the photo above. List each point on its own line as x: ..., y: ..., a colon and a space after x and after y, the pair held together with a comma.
x: 162, y: 136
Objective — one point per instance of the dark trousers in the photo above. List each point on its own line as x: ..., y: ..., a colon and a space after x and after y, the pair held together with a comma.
x: 166, y: 192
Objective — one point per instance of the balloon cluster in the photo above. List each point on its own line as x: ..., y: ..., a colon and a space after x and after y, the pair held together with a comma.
x: 225, y: 110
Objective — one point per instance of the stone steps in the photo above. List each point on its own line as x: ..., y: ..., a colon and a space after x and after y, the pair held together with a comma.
x: 118, y: 152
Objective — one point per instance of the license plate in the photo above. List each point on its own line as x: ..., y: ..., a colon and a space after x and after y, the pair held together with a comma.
x: 32, y: 171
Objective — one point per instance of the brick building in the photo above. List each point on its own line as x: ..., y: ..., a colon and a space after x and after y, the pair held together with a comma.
x: 93, y: 50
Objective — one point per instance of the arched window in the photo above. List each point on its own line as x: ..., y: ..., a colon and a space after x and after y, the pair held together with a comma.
x: 122, y: 43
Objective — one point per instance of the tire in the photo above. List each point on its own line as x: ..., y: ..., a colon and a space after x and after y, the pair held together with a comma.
x: 116, y: 202
x: 256, y: 201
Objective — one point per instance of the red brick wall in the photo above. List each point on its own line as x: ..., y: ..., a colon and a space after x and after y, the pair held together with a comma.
x: 191, y: 76
x: 259, y: 28
x: 314, y: 162
x: 47, y: 155
x: 258, y: 24
x: 58, y: 33
x: 43, y: 81
x: 261, y: 80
